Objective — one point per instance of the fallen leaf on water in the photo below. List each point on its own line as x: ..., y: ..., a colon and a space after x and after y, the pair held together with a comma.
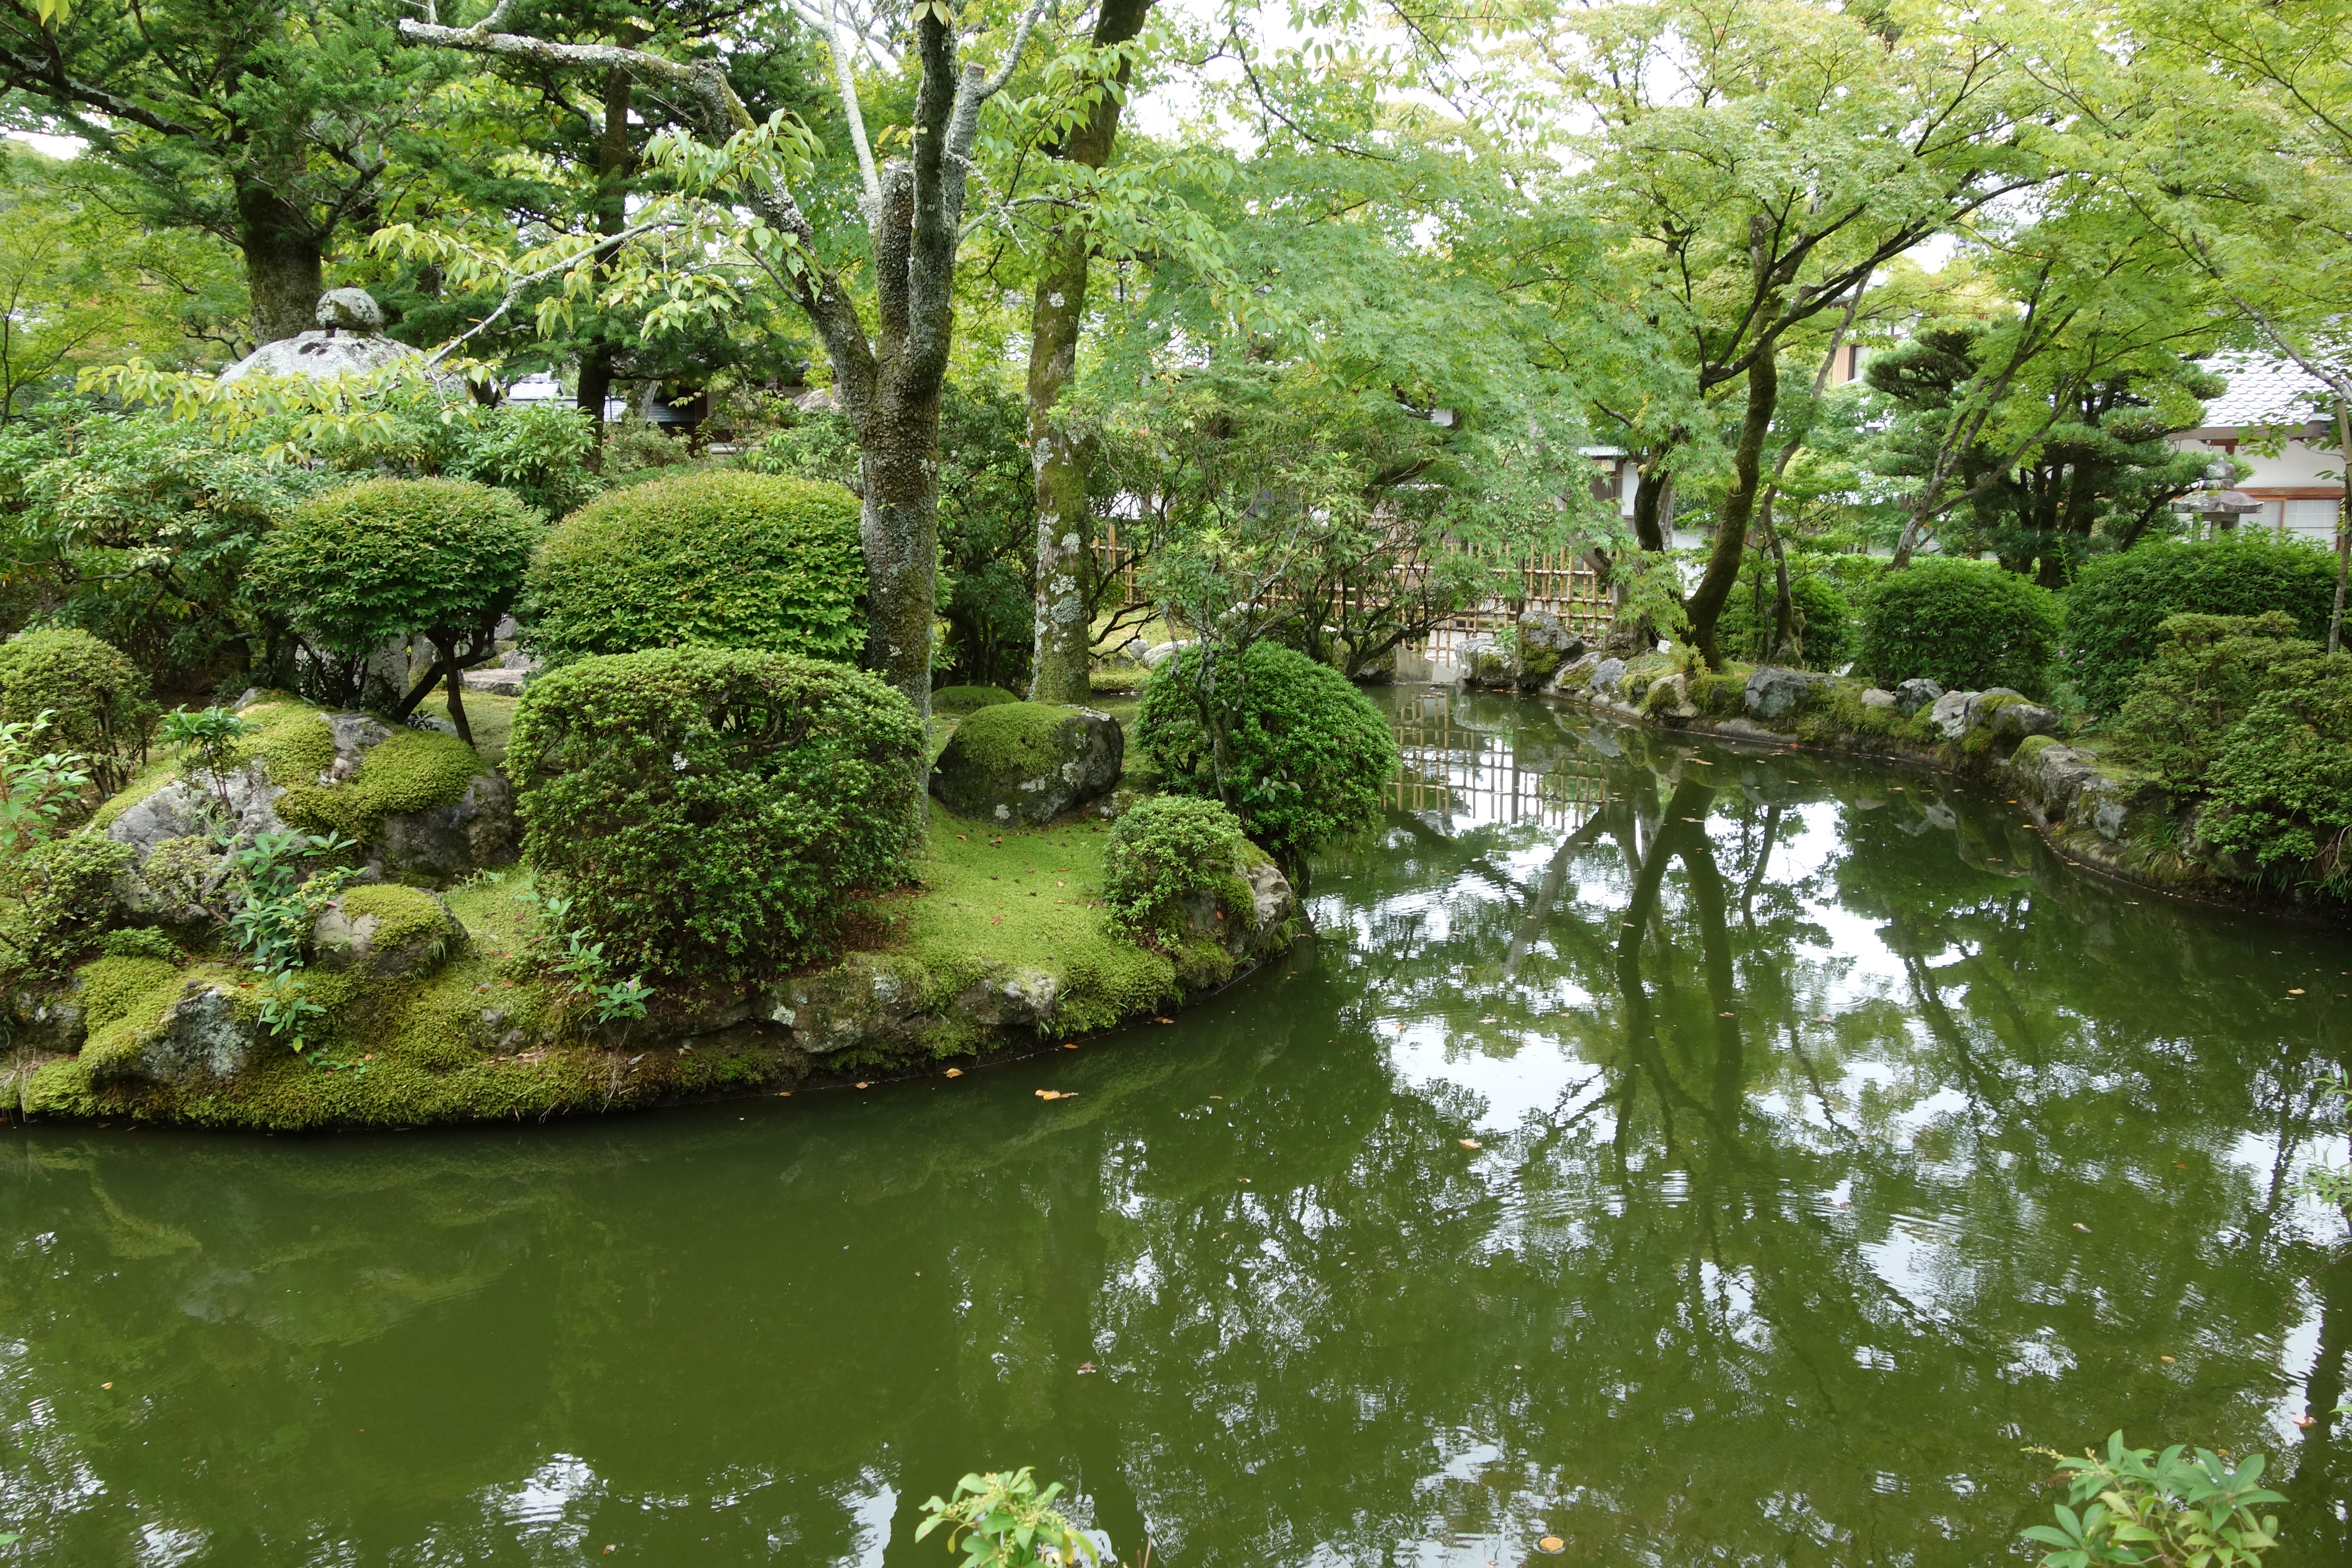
x: 1216, y: 1096
x: 1164, y: 1020
x: 955, y: 1072
x: 1069, y: 1044
x: 106, y: 1385
x: 1472, y: 1143
x: 1722, y: 1014
x: 1084, y: 1367
x: 783, y: 1094
x: 2165, y: 1359
x: 863, y: 1084
x: 2081, y: 1226
x: 2303, y: 1421
x: 2296, y: 991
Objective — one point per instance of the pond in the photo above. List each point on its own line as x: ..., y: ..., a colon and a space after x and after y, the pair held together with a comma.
x: 1700, y: 1155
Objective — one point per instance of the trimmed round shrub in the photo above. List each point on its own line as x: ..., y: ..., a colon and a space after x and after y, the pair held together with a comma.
x: 964, y: 699
x: 708, y: 811
x: 1965, y: 625
x: 1308, y: 754
x: 718, y: 558
x: 390, y: 558
x: 97, y: 700
x: 2118, y: 604
x: 1165, y: 853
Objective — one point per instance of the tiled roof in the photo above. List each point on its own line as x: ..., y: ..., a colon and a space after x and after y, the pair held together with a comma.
x: 2263, y: 390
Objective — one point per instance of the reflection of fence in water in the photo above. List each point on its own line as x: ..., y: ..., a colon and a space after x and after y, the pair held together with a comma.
x: 1456, y: 771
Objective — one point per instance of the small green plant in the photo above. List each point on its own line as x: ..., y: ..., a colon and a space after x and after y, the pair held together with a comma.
x: 1164, y: 852
x: 206, y: 739
x: 1001, y: 1520
x: 138, y: 941
x: 586, y: 973
x: 2178, y: 1509
x: 36, y: 793
x: 64, y: 890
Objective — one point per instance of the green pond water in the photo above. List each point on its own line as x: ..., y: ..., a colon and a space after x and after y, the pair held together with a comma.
x: 1703, y: 1156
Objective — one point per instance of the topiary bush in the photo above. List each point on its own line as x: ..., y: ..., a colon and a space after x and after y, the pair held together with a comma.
x: 717, y: 558
x: 385, y: 559
x: 707, y: 811
x: 1164, y: 853
x: 2118, y: 604
x: 1963, y: 624
x: 2207, y: 673
x: 1306, y: 754
x: 96, y: 697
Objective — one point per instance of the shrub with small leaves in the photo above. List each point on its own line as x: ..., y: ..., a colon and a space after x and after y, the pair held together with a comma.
x: 707, y: 811
x: 1164, y: 854
x: 95, y: 697
x: 2207, y: 676
x: 1962, y: 624
x: 719, y: 558
x: 1289, y: 745
x: 2280, y: 787
x: 63, y: 891
x: 2118, y: 604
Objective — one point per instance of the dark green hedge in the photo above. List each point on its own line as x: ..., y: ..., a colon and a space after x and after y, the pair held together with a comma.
x: 2118, y: 604
x: 719, y: 558
x: 709, y: 810
x: 1966, y: 625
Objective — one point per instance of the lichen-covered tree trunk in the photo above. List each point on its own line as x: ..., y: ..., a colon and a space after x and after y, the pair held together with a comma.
x: 1063, y: 652
x: 614, y: 164
x: 282, y: 262
x: 899, y: 529
x: 1707, y: 601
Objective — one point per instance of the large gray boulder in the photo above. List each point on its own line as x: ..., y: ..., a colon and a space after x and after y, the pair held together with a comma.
x: 2016, y: 721
x: 1917, y: 694
x: 1605, y: 677
x: 1949, y: 713
x: 1775, y: 693
x: 1028, y: 762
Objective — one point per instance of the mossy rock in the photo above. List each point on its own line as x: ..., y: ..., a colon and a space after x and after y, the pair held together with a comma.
x: 385, y: 930
x: 1720, y: 696
x: 1028, y: 762
x: 965, y: 698
x: 422, y: 805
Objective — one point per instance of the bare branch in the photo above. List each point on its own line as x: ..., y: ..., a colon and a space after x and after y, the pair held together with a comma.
x: 845, y: 78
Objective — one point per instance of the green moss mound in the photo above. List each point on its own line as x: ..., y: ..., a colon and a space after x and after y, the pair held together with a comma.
x: 963, y: 698
x: 415, y: 770
x: 719, y: 558
x: 2117, y: 605
x: 403, y: 915
x: 1014, y: 739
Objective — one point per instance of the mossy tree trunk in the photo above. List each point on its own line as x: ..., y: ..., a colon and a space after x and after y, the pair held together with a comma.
x: 1707, y: 601
x: 1064, y: 650
x: 283, y: 262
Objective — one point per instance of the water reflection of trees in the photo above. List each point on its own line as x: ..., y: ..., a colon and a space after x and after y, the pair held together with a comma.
x: 1758, y: 1289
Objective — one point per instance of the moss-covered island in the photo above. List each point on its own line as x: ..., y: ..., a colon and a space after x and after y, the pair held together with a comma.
x: 441, y: 997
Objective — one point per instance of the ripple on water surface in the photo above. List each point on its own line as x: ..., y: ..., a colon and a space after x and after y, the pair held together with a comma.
x: 1682, y: 1155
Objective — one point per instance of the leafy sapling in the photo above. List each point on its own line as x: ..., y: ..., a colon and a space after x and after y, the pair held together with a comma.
x: 584, y: 971
x: 1003, y: 1521
x: 206, y: 739
x: 36, y: 793
x: 2134, y: 1506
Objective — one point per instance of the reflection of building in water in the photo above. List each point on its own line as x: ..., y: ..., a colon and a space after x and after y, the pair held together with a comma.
x: 1458, y: 772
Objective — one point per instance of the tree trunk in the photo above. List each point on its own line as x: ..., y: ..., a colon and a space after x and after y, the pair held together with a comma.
x: 282, y: 262
x: 2343, y: 521
x: 1706, y: 603
x: 1653, y: 488
x: 1064, y: 650
x: 615, y: 162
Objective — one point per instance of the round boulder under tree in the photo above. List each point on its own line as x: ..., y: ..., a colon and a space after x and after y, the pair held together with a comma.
x: 1028, y: 762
